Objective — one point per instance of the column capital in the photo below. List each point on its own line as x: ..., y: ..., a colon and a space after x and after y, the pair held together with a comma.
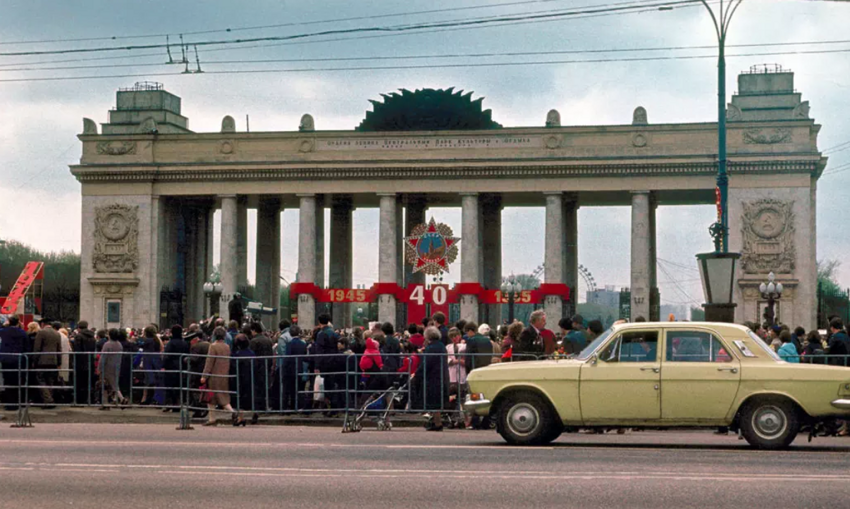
x: 306, y: 195
x: 641, y: 192
x: 465, y: 193
x: 553, y: 193
x: 387, y: 194
x: 227, y: 196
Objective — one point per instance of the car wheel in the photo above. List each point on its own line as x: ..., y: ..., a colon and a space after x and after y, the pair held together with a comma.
x: 526, y: 419
x: 770, y: 424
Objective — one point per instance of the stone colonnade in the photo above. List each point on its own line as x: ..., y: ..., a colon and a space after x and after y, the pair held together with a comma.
x: 185, y: 248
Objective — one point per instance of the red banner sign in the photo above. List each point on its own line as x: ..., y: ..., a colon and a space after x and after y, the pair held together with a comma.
x: 32, y: 271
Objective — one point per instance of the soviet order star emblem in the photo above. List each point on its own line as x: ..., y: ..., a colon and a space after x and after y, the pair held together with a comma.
x: 431, y: 248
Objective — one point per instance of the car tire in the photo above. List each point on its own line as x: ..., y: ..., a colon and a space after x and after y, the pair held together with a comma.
x: 770, y: 424
x: 526, y: 419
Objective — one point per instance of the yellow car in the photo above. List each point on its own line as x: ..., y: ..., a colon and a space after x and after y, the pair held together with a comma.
x: 662, y: 375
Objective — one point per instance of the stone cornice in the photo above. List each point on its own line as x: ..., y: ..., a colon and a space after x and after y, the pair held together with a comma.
x: 152, y: 173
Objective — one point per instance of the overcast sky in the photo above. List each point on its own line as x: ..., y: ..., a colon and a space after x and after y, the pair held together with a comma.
x: 39, y: 121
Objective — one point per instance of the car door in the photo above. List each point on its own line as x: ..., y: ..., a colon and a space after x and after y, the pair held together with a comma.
x: 700, y: 375
x: 621, y: 383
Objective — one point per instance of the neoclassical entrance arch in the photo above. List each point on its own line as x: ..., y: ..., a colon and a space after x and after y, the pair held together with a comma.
x: 150, y: 187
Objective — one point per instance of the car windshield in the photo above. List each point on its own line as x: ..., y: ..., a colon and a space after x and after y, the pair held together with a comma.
x: 589, y: 349
x: 760, y: 342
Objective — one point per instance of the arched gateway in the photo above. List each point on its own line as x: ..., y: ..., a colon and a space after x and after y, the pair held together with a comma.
x: 150, y: 187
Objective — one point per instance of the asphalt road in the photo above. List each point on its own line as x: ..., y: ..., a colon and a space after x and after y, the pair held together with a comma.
x: 154, y: 465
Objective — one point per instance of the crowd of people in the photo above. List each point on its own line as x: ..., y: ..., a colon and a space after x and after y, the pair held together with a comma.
x: 244, y: 368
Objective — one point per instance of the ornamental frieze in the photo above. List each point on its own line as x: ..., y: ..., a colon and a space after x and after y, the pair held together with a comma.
x: 116, y: 148
x: 767, y: 136
x: 768, y: 237
x: 116, y: 232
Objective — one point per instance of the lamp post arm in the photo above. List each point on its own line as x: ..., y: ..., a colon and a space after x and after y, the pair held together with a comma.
x: 717, y: 26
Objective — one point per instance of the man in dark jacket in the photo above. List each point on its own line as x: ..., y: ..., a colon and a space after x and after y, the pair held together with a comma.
x: 175, y: 350
x: 329, y: 360
x: 839, y: 343
x: 477, y: 345
x: 196, y: 361
x: 530, y: 341
x: 13, y: 343
x: 440, y: 320
x: 84, y: 344
x: 295, y: 355
x: 47, y: 347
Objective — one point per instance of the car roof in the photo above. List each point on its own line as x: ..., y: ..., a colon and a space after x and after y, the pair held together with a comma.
x: 679, y: 325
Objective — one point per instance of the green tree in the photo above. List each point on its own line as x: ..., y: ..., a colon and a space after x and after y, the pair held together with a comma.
x: 828, y: 275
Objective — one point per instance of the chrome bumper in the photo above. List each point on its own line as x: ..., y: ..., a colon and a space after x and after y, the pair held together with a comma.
x: 843, y: 403
x: 480, y: 406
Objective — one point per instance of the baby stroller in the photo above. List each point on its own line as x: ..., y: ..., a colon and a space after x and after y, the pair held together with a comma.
x: 380, y: 405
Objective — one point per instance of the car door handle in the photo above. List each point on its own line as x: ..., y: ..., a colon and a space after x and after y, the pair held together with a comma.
x: 654, y: 369
x: 732, y: 370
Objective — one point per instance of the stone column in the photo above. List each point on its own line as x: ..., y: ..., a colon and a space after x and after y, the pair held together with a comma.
x: 654, y: 310
x: 320, y: 251
x: 414, y: 215
x: 400, y: 309
x: 387, y: 255
x: 341, y: 268
x: 242, y: 242
x: 491, y: 247
x: 200, y: 261
x: 553, y: 260
x: 210, y: 263
x: 641, y: 255
x: 157, y: 247
x: 228, y: 253
x: 307, y: 258
x: 470, y: 257
x: 268, y: 257
x: 571, y: 252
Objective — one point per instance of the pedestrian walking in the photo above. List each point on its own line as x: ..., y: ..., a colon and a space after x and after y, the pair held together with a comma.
x: 430, y: 385
x: 175, y: 351
x: 13, y: 346
x: 110, y: 370
x: 47, y: 347
x: 216, y: 371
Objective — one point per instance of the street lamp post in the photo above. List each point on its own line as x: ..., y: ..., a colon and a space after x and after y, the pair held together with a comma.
x: 720, y: 230
x: 511, y: 287
x: 717, y: 269
x: 771, y: 292
x: 210, y: 290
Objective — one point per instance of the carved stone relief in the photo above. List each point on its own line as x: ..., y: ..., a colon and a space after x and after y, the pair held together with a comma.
x: 733, y: 113
x: 307, y: 123
x: 639, y: 116
x: 116, y: 231
x: 553, y: 119
x: 767, y: 136
x: 116, y: 148
x: 768, y: 237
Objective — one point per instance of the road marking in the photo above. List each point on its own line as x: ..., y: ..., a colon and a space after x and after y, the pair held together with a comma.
x: 225, y: 469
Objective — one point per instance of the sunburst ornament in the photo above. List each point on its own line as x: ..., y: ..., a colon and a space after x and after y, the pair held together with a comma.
x: 431, y: 248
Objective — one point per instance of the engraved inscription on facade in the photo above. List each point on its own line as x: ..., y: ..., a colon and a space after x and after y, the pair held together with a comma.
x: 116, y: 231
x: 421, y: 143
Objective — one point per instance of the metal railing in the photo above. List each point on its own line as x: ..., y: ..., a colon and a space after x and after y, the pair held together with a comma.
x: 333, y: 384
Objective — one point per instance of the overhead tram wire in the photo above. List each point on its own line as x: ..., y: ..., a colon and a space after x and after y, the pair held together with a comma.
x: 402, y: 28
x: 298, y: 23
x: 361, y: 37
x: 464, y: 65
x: 437, y: 56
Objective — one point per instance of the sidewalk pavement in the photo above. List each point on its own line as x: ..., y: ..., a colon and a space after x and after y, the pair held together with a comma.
x: 137, y: 415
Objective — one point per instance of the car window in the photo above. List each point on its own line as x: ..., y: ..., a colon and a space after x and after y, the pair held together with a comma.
x: 764, y: 347
x: 589, y: 349
x: 640, y: 346
x: 695, y: 346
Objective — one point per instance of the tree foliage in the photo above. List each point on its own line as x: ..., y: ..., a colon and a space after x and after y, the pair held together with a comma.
x: 828, y: 275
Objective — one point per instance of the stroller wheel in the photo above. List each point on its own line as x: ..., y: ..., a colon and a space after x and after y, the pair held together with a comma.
x: 381, y: 426
x: 389, y: 426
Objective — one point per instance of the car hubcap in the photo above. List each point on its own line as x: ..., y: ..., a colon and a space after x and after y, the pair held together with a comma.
x: 769, y: 422
x: 523, y: 418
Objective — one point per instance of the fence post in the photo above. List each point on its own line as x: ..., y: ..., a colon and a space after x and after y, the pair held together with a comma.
x: 185, y: 419
x: 22, y: 418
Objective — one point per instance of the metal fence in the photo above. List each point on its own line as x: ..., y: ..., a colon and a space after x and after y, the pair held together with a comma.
x: 284, y: 385
x: 336, y: 385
